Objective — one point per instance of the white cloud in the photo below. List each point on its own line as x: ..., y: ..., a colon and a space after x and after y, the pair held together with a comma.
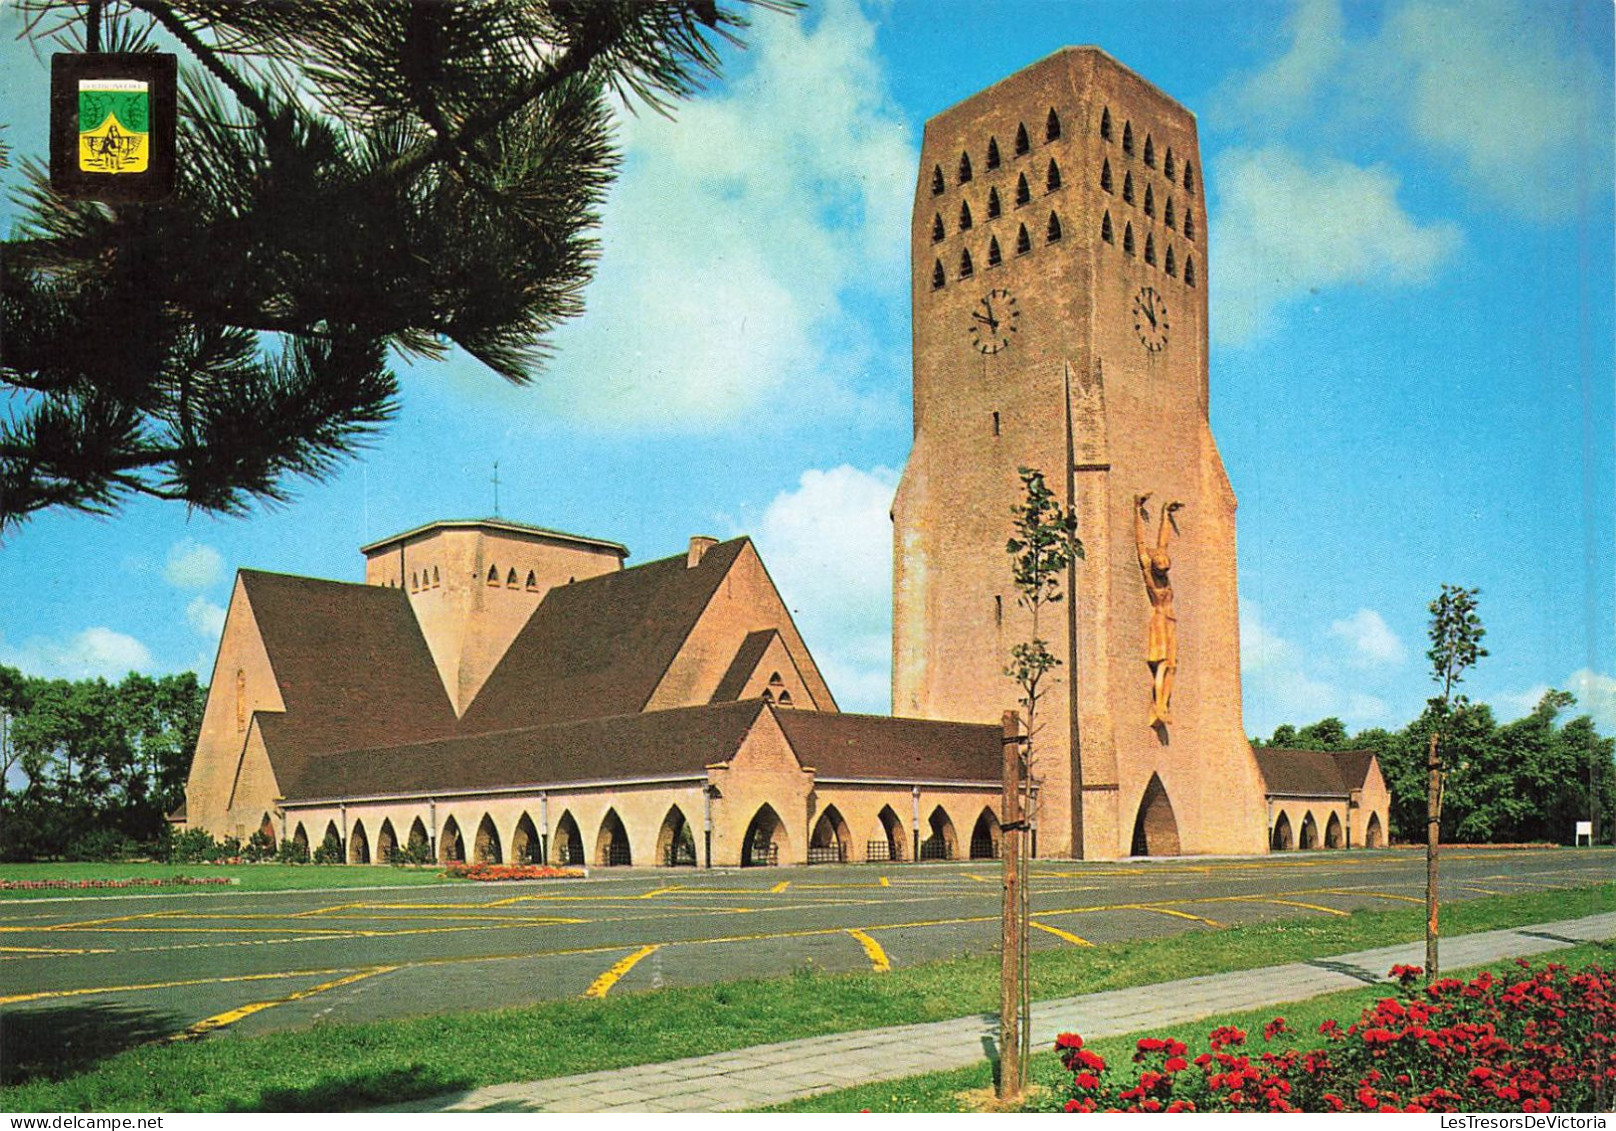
x: 193, y: 565
x: 1283, y: 91
x: 1289, y: 225
x: 1596, y: 696
x: 205, y: 617
x: 1490, y: 85
x: 93, y: 652
x: 737, y: 235
x: 828, y: 546
x: 1277, y: 688
x: 1370, y: 641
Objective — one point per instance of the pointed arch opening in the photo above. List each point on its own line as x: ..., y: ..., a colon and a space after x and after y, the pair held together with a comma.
x: 1105, y: 176
x: 526, y: 848
x: 451, y: 845
x: 436, y: 582
x: 1127, y: 187
x: 1052, y: 179
x: 1189, y: 269
x: 938, y: 232
x: 993, y: 153
x: 1189, y: 177
x: 300, y: 843
x: 1023, y: 143
x: 995, y: 256
x: 1169, y: 264
x: 386, y: 842
x: 567, y: 846
x: 420, y: 845
x: 1150, y: 201
x: 532, y: 582
x: 994, y: 208
x: 1168, y: 168
x: 965, y: 221
x: 1189, y: 224
x: 1150, y: 249
x: 1052, y: 230
x: 1127, y: 138
x: 1373, y: 836
x: 1333, y: 836
x: 1167, y: 214
x: 1155, y: 829
x: 964, y: 168
x: 1282, y: 838
x: 358, y: 844
x: 1023, y: 241
x: 611, y: 843
x: 888, y: 844
x: 493, y: 575
x: 941, y: 843
x: 1127, y: 239
x: 330, y: 850
x: 676, y: 842
x: 1105, y: 230
x: 266, y: 833
x: 937, y: 185
x: 1150, y: 152
x: 485, y: 845
x: 985, y: 836
x: 1309, y: 837
x: 1105, y: 123
x: 1023, y: 193
x: 1052, y: 129
x: 827, y: 844
x: 938, y: 278
x: 966, y: 269
x: 510, y: 580
x: 765, y: 840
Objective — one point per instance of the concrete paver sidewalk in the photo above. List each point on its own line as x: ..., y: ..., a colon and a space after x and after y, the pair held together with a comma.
x: 776, y: 1073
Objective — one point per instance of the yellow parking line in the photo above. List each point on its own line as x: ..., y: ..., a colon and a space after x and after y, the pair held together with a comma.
x: 230, y: 1017
x: 602, y: 985
x: 41, y: 995
x: 780, y: 887
x: 656, y: 892
x: 978, y: 879
x: 879, y: 962
x: 884, y: 883
x: 1381, y: 894
x: 1076, y: 940
x: 54, y: 950
x: 1291, y: 903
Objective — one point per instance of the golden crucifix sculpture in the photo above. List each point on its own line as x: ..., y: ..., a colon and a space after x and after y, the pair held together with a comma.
x: 1162, y: 647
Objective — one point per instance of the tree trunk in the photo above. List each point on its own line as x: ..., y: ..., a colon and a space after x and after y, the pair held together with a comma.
x: 1010, y: 953
x: 1433, y: 837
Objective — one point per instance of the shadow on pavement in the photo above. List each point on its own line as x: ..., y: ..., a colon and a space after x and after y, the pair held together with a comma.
x: 50, y: 1044
x: 358, y: 1090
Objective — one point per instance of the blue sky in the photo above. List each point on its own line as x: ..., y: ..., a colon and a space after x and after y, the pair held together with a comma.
x: 1411, y: 287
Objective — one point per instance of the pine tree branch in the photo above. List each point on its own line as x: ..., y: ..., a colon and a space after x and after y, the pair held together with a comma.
x: 205, y: 55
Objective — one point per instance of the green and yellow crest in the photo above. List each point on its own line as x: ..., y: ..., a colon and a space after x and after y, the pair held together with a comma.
x: 114, y: 125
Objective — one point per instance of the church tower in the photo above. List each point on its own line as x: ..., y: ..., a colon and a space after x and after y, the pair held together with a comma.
x: 1059, y: 283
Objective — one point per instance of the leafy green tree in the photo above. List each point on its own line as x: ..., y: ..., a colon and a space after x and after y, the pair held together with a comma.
x: 357, y: 181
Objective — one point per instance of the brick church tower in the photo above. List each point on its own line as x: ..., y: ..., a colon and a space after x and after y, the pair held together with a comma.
x: 1059, y: 276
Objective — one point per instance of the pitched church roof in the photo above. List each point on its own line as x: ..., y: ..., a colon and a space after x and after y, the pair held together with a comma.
x: 599, y: 648
x: 892, y: 749
x: 655, y: 744
x: 352, y: 667
x: 1313, y: 773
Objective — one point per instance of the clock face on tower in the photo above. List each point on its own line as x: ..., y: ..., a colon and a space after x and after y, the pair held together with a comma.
x: 993, y: 320
x: 1150, y: 318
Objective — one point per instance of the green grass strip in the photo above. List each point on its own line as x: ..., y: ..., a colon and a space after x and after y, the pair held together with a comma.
x: 248, y: 877
x: 344, y: 1066
x: 956, y: 1089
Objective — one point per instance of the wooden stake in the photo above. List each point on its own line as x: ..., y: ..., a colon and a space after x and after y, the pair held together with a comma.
x: 1010, y: 947
x: 1433, y: 837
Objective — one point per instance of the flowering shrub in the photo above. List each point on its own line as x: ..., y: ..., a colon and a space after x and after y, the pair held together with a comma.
x: 461, y: 871
x: 1538, y: 1040
x: 139, y: 882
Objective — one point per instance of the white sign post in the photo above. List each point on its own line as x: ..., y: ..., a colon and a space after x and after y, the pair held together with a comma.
x: 1585, y: 831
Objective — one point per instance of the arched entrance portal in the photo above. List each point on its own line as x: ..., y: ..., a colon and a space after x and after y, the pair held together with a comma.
x: 940, y: 845
x: 611, y: 844
x: 890, y: 844
x: 568, y: 844
x: 1373, y: 837
x: 676, y: 843
x: 486, y: 846
x: 765, y: 839
x: 1283, y: 839
x: 386, y: 843
x: 1310, y: 832
x: 266, y: 833
x: 300, y: 843
x: 828, y: 844
x: 1332, y: 833
x: 358, y: 845
x: 985, y: 837
x: 1155, y: 830
x: 420, y: 848
x: 525, y: 842
x: 451, y: 846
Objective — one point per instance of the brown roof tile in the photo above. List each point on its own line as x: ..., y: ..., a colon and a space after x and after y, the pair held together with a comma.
x: 873, y: 746
x: 599, y: 647
x: 744, y: 664
x: 1300, y: 773
x: 646, y: 745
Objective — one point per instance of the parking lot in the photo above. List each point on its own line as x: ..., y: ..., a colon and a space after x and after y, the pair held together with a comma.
x: 245, y: 963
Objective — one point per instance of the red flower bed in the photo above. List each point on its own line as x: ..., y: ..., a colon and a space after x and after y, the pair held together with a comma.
x: 1542, y: 1040
x: 510, y: 872
x: 140, y: 882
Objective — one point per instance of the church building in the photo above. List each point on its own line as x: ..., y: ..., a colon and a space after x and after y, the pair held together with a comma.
x: 499, y: 691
